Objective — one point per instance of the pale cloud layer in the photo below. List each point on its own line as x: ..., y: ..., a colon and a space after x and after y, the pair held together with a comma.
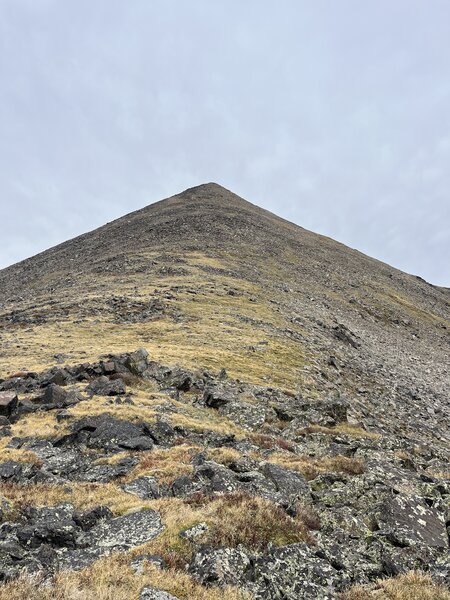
x: 334, y: 115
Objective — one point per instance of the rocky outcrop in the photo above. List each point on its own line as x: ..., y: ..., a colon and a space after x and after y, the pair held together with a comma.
x: 373, y: 510
x: 53, y: 538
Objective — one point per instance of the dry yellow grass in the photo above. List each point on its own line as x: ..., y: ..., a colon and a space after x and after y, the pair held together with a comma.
x: 39, y: 424
x: 111, y: 579
x: 141, y: 410
x: 312, y: 467
x: 224, y: 455
x: 165, y: 464
x: 410, y: 586
x: 18, y: 455
x: 81, y: 495
x: 439, y: 474
x: 254, y: 522
x: 212, y: 334
x: 232, y: 519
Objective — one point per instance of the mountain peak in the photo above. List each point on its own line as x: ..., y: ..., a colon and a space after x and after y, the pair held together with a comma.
x: 214, y: 193
x: 209, y: 187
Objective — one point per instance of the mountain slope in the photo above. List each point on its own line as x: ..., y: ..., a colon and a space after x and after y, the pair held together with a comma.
x: 206, y: 279
x: 295, y: 392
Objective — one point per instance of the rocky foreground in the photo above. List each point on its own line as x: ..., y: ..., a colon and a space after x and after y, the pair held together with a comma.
x: 190, y: 484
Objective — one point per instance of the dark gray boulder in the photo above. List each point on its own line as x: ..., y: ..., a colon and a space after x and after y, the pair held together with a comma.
x: 294, y: 572
x: 53, y: 525
x: 214, y: 477
x: 14, y: 560
x: 60, y: 377
x: 88, y: 518
x: 126, y: 531
x: 290, y: 484
x: 57, y: 397
x: 102, y: 386
x: 106, y: 432
x: 219, y: 566
x: 144, y: 487
x: 16, y: 472
x: 161, y: 432
x: 408, y: 521
x: 140, y: 442
x: 215, y: 397
x: 8, y: 403
x: 183, y: 486
x: 104, y: 473
x: 137, y: 362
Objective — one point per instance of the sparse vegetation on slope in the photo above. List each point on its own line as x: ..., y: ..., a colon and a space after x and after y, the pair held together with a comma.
x: 286, y: 434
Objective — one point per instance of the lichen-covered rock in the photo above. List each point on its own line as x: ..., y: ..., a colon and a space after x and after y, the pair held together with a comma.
x: 150, y: 593
x: 219, y: 566
x: 75, y: 559
x: 14, y: 560
x: 290, y: 484
x: 408, y: 521
x: 216, y: 397
x: 144, y: 487
x: 88, y: 518
x: 161, y: 432
x: 107, y: 472
x: 396, y: 560
x: 293, y: 572
x: 138, y: 563
x: 183, y: 486
x: 301, y: 412
x: 137, y: 362
x: 5, y: 505
x: 195, y: 532
x: 215, y: 478
x: 52, y: 525
x: 126, y: 531
x: 16, y: 472
x: 247, y: 415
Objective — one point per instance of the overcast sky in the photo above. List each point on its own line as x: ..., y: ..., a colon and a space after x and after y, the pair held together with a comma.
x: 333, y: 114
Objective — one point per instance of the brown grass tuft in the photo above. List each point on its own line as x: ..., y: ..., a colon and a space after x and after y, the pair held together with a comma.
x: 311, y: 467
x: 254, y: 522
x: 410, y: 586
x: 309, y: 517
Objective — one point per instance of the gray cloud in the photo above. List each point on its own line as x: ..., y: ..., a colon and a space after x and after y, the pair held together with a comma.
x: 335, y: 115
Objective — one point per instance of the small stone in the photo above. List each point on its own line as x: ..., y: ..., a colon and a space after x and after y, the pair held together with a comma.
x: 149, y: 593
x: 194, y: 533
x: 138, y: 563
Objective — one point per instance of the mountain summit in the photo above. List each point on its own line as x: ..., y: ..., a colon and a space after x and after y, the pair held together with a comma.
x: 285, y: 431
